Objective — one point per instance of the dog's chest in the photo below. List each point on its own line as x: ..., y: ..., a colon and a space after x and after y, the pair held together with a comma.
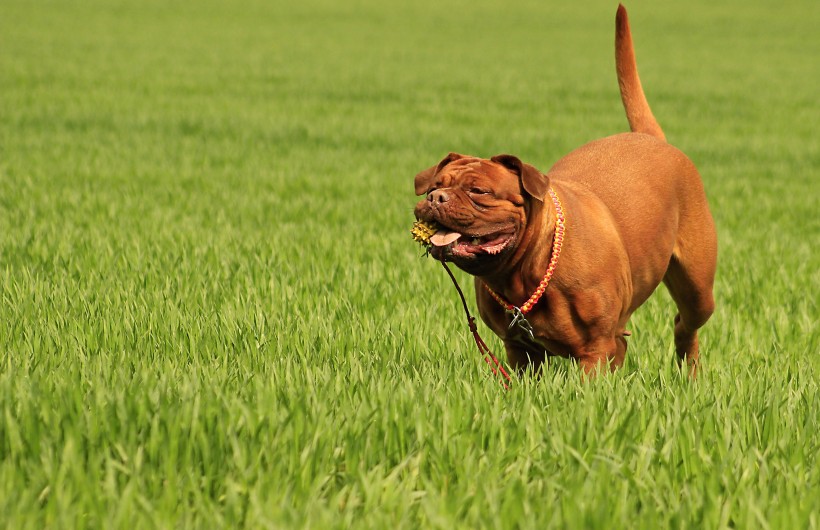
x: 536, y: 342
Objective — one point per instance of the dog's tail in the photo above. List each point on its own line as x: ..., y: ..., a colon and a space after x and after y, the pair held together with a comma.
x: 637, y: 108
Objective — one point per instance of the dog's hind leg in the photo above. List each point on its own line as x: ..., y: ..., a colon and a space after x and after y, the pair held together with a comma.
x: 690, y: 283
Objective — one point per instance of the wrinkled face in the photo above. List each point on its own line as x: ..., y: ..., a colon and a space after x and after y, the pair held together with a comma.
x: 480, y: 207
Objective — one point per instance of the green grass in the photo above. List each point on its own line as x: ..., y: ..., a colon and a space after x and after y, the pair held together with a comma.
x: 212, y: 314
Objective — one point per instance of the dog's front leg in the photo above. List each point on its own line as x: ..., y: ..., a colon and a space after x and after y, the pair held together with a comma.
x: 601, y: 352
x: 522, y: 358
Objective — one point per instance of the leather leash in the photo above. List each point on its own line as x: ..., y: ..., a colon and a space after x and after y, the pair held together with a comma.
x: 489, y: 358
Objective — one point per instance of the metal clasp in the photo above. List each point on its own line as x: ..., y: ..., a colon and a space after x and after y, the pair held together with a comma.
x: 521, y: 320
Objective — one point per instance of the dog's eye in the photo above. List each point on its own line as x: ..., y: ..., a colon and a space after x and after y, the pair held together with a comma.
x: 479, y: 191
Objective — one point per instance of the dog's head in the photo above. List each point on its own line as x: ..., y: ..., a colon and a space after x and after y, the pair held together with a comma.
x: 481, y: 205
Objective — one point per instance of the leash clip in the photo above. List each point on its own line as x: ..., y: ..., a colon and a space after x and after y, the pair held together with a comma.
x: 521, y: 320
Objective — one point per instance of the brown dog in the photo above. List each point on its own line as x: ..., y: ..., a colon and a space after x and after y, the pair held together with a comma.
x: 636, y: 214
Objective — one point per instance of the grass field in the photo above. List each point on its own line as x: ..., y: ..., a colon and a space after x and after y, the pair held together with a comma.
x: 212, y: 314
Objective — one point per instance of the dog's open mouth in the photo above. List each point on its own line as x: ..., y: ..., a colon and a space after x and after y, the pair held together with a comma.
x: 467, y: 246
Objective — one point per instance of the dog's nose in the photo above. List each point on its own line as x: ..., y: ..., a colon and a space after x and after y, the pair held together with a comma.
x: 439, y: 196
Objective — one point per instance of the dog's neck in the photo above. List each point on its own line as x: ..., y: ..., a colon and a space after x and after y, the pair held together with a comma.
x: 510, y: 280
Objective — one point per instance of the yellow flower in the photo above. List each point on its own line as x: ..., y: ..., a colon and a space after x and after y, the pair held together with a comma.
x: 422, y: 230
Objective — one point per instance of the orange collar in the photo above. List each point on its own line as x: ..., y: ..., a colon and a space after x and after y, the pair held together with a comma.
x: 557, y: 242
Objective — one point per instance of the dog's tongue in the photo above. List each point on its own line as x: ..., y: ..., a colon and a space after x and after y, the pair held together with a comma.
x: 444, y: 237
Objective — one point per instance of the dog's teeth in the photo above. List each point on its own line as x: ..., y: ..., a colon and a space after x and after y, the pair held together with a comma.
x: 476, y: 241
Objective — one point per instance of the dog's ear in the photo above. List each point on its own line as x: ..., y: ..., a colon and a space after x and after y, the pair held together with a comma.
x: 425, y: 178
x: 534, y: 182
